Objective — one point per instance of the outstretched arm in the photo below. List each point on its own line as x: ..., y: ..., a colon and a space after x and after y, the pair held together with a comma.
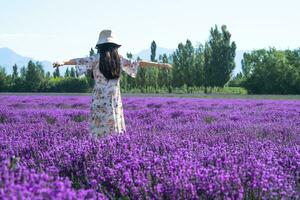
x: 143, y: 63
x: 87, y: 61
x: 82, y: 64
x: 131, y: 68
x: 68, y: 62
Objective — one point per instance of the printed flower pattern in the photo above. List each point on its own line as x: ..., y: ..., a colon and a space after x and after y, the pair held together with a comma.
x: 107, y: 110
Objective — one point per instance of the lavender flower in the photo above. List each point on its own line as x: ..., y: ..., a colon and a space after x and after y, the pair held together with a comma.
x: 174, y: 148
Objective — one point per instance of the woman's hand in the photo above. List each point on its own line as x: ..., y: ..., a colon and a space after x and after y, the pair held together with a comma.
x: 57, y: 64
x: 135, y: 64
x: 126, y: 62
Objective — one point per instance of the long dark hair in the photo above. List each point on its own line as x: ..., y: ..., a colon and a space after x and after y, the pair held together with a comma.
x: 109, y: 63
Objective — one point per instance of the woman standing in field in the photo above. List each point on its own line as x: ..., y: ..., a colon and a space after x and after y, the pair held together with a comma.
x: 106, y: 66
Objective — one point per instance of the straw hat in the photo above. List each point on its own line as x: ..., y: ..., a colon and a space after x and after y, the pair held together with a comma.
x: 107, y: 36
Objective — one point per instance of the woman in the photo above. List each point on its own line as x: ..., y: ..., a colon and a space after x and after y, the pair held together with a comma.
x: 107, y: 110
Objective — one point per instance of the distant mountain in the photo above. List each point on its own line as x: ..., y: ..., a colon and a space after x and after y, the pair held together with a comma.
x: 145, y: 54
x: 9, y: 57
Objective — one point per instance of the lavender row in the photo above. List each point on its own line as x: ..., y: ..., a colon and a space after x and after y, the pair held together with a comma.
x: 174, y: 148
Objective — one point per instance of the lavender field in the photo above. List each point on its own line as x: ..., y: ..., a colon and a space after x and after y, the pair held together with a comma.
x: 174, y: 148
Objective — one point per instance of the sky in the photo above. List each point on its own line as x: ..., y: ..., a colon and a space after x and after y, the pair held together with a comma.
x: 58, y: 30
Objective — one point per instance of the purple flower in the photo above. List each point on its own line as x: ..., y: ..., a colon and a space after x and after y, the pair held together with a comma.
x: 174, y: 148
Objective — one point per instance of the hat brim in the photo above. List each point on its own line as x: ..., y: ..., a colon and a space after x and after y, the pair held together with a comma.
x: 99, y: 44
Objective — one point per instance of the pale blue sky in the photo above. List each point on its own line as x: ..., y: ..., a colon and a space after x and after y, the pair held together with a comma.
x: 61, y: 29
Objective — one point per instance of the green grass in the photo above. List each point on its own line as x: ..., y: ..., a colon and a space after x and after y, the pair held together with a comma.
x: 219, y: 96
x: 191, y: 90
x: 194, y: 95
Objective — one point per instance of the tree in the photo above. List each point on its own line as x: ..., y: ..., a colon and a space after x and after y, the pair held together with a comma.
x: 153, y: 51
x: 246, y: 68
x: 126, y: 81
x: 17, y: 83
x: 33, y: 77
x: 56, y: 73
x: 72, y: 73
x: 177, y: 65
x: 67, y: 73
x: 237, y: 80
x: 3, y: 79
x: 15, y: 72
x: 89, y: 73
x: 40, y: 69
x: 129, y: 55
x: 151, y: 78
x: 76, y: 73
x: 189, y: 65
x: 181, y: 64
x: 272, y: 72
x: 48, y: 75
x: 141, y: 80
x: 208, y: 68
x: 199, y: 66
x: 219, y: 57
x: 92, y: 52
x: 165, y: 75
x: 23, y: 72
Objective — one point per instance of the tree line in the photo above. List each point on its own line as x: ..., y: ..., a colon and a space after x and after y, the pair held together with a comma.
x: 270, y: 71
x: 207, y: 66
x: 32, y: 78
x: 202, y: 67
x: 192, y: 67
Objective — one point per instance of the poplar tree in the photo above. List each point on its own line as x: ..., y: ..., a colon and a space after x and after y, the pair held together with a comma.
x: 219, y: 57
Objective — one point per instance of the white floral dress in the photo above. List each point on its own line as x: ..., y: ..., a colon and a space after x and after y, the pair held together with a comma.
x: 106, y: 110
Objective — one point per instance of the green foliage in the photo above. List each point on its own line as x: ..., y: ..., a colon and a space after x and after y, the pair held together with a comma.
x: 209, y: 119
x: 50, y: 120
x: 183, y: 89
x: 92, y: 52
x: 23, y: 72
x: 72, y: 73
x: 272, y: 71
x: 151, y: 74
x: 188, y: 66
x: 40, y: 68
x: 17, y: 83
x: 67, y: 73
x: 219, y: 57
x: 15, y: 72
x: 129, y: 55
x: 187, y: 75
x: 165, y: 75
x: 3, y: 80
x: 196, y: 69
x: 56, y: 73
x: 79, y: 118
x: 178, y: 66
x: 237, y: 80
x: 33, y: 79
x: 153, y: 51
x: 66, y: 85
x: 76, y: 73
x: 34, y: 76
x: 89, y: 73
